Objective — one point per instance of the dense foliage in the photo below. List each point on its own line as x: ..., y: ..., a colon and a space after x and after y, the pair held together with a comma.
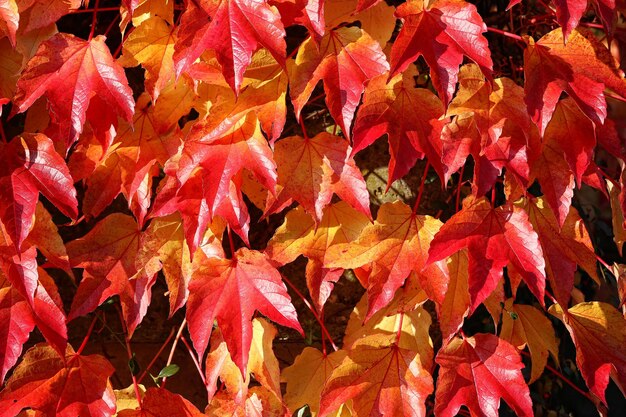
x: 204, y: 146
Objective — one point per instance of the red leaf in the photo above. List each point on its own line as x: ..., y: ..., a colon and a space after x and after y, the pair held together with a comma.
x: 81, y: 81
x: 31, y: 165
x: 477, y: 372
x: 311, y: 170
x: 494, y: 238
x: 108, y: 255
x: 214, y: 24
x: 345, y: 60
x: 16, y: 323
x: 69, y: 386
x: 454, y: 29
x: 230, y: 290
x: 388, y: 109
x: 552, y: 67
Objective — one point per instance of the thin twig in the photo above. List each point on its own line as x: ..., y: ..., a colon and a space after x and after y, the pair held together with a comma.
x: 171, y: 355
x: 317, y: 317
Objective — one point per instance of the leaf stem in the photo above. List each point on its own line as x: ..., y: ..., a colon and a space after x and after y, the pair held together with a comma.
x: 88, y: 335
x: 505, y: 33
x: 306, y: 137
x: 421, y: 189
x: 129, y: 353
x: 231, y: 242
x: 558, y: 373
x: 317, y: 317
x: 179, y: 334
x: 194, y: 359
x: 94, y: 21
x: 101, y: 9
x: 399, y: 332
x: 154, y: 359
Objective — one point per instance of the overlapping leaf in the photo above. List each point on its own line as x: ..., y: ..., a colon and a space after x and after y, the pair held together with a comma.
x: 230, y: 291
x: 311, y: 170
x: 32, y: 166
x: 60, y: 386
x: 213, y: 24
x: 396, y: 245
x: 300, y: 235
x: 345, y: 60
x: 389, y: 108
x: 81, y: 81
x: 455, y: 29
x: 477, y: 372
x: 552, y: 66
x: 524, y: 325
x: 381, y: 378
x: 564, y: 247
x: 599, y: 333
x: 494, y: 238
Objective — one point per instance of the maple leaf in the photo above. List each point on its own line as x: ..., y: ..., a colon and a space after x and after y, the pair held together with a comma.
x: 493, y: 238
x: 159, y: 402
x: 405, y: 318
x: 300, y: 235
x: 492, y: 125
x: 9, y: 19
x: 564, y: 247
x: 81, y: 81
x: 224, y: 152
x: 60, y: 386
x: 151, y: 44
x: 524, y: 325
x: 310, y: 170
x: 477, y: 372
x: 552, y: 67
x: 381, y: 378
x: 599, y: 333
x: 32, y: 166
x: 388, y: 109
x: 397, y: 244
x: 263, y: 90
x: 230, y: 290
x: 162, y: 247
x: 455, y: 28
x: 129, y: 161
x: 213, y: 24
x: 306, y: 377
x: 108, y: 254
x: 345, y: 60
x: 262, y: 364
x: 45, y: 236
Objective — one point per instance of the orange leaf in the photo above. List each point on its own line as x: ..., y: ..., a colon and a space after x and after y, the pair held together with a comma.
x: 397, y: 244
x: 60, y: 386
x: 381, y: 379
x: 310, y: 170
x: 345, y: 59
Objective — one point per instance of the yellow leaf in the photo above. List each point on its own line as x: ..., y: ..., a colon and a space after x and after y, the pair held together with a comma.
x: 524, y: 325
x: 307, y: 376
